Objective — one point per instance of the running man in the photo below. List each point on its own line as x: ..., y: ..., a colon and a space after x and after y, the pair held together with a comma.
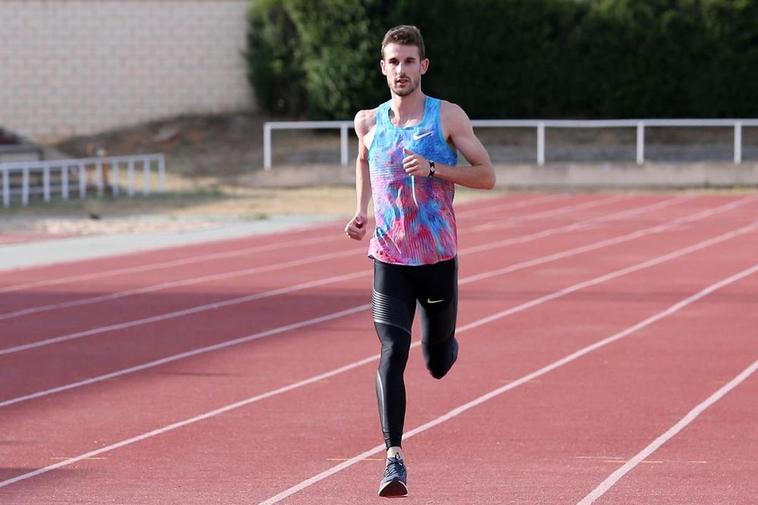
x: 407, y: 164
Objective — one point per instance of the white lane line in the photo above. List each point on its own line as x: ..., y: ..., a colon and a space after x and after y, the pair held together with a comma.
x: 489, y: 209
x: 175, y: 284
x: 221, y: 255
x: 185, y: 312
x: 505, y: 313
x: 449, y: 415
x: 248, y: 298
x: 587, y: 223
x: 512, y: 385
x: 465, y: 280
x: 453, y: 413
x: 604, y: 486
x: 11, y: 240
x: 194, y: 352
x: 164, y: 264
x: 492, y: 225
x: 324, y: 257
x: 613, y: 240
x: 607, y: 242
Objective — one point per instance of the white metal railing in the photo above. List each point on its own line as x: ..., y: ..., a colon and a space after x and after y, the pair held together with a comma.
x: 107, y: 173
x: 541, y: 125
x: 268, y: 126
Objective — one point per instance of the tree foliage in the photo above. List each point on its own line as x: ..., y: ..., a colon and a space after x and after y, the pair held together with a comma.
x: 514, y: 58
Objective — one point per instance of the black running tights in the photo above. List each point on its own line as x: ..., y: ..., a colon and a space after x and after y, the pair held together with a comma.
x: 397, y: 291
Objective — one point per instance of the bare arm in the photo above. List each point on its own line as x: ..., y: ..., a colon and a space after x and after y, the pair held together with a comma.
x: 364, y: 126
x: 458, y: 130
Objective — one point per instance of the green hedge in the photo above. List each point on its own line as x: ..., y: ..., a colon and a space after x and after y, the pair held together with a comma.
x: 514, y: 58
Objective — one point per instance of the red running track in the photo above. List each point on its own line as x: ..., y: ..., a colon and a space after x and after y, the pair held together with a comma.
x: 608, y: 354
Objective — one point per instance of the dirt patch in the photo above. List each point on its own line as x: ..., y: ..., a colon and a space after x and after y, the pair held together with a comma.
x: 189, y: 204
x: 207, y: 145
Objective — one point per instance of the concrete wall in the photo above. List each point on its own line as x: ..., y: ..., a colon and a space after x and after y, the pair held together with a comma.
x: 72, y: 67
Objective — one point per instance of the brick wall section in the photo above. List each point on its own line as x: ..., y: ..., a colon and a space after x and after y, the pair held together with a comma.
x: 73, y: 67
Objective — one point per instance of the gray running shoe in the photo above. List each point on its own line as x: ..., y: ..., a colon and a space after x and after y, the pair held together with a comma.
x: 395, y: 478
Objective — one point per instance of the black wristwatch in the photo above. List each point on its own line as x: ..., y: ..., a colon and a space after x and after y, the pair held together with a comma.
x: 431, y: 169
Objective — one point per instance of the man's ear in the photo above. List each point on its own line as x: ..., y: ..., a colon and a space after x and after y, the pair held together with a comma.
x: 381, y: 65
x: 424, y: 65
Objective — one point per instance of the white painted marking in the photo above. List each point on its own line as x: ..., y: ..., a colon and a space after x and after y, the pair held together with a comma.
x: 304, y: 261
x: 490, y: 209
x: 553, y: 212
x: 184, y: 312
x: 233, y: 253
x: 604, y: 486
x: 163, y: 264
x: 195, y: 352
x: 451, y: 414
x: 614, y: 240
x: 248, y: 298
x: 235, y: 274
x: 588, y: 223
x: 597, y: 280
x: 497, y: 392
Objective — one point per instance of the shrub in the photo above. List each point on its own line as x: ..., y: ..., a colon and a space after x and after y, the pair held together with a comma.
x: 515, y: 58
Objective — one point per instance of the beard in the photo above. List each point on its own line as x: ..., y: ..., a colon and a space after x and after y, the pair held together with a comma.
x: 410, y: 86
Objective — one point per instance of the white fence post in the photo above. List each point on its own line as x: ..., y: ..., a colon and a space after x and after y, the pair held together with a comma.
x: 267, y: 146
x: 146, y: 176
x: 82, y: 181
x: 25, y: 187
x: 6, y: 188
x: 46, y: 183
x: 737, y: 143
x: 640, y: 143
x: 99, y: 178
x: 161, y: 173
x: 130, y: 178
x: 115, y: 177
x: 541, y: 143
x: 64, y: 182
x: 343, y: 145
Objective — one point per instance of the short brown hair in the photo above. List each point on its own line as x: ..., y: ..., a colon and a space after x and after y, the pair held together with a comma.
x: 406, y: 35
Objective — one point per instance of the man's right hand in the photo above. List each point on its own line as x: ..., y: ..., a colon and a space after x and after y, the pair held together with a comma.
x: 356, y: 227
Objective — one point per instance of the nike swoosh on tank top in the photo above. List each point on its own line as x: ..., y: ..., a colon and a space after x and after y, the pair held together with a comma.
x: 415, y: 222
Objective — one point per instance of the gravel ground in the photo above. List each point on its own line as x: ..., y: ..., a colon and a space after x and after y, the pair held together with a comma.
x: 187, y: 205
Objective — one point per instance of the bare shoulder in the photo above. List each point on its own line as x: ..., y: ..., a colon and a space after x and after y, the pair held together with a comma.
x: 364, y: 121
x: 453, y: 117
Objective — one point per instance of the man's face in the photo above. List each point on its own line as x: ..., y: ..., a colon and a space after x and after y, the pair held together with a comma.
x: 403, y: 68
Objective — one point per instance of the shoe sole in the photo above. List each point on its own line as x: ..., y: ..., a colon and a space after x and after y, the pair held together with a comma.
x: 393, y: 488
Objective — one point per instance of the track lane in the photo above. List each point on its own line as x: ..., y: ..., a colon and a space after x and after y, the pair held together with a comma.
x: 34, y: 328
x: 103, y: 284
x: 711, y: 461
x: 180, y: 256
x: 372, y: 413
x: 69, y: 290
x: 545, y: 441
x: 126, y: 345
x: 18, y: 306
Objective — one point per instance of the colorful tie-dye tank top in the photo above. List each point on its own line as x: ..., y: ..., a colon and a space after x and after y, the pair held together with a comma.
x: 415, y: 223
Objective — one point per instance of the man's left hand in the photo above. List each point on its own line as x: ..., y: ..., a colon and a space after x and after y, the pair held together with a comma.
x: 415, y: 164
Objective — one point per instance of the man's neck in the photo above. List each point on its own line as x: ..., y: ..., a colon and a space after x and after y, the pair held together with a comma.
x: 408, y: 109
